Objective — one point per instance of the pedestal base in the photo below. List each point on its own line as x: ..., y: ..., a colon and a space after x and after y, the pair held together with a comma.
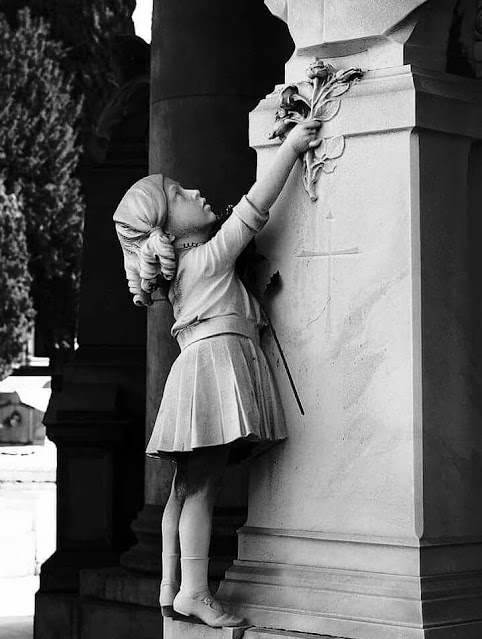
x: 265, y: 633
x: 355, y: 605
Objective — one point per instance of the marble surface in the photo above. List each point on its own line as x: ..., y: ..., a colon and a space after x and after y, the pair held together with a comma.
x: 378, y: 483
x: 378, y: 35
x: 174, y: 629
x: 313, y: 22
x: 344, y: 318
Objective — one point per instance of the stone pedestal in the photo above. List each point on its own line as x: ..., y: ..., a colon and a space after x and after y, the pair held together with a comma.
x: 367, y: 523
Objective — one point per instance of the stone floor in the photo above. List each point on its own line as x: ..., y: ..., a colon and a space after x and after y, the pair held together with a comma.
x: 16, y: 628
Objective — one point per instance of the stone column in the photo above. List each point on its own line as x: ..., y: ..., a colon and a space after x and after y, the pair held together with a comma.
x: 367, y: 523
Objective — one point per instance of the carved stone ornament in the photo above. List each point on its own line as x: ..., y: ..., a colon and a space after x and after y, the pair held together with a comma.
x: 316, y: 98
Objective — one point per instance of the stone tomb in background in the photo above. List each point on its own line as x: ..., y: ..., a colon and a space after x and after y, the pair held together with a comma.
x: 19, y: 422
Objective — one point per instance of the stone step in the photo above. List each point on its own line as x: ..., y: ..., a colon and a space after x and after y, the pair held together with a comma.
x: 265, y: 633
x: 174, y: 629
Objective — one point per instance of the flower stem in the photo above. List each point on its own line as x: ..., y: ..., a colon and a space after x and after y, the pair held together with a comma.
x: 313, y: 102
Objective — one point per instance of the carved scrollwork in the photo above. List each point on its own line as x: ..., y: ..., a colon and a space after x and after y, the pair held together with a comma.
x: 316, y: 98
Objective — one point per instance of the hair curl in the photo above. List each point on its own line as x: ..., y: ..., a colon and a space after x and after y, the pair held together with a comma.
x: 148, y: 251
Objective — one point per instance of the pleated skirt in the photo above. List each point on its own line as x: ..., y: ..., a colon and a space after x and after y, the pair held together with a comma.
x: 220, y: 390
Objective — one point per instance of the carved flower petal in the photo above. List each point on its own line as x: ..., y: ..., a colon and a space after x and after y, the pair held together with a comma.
x: 286, y: 98
x: 282, y: 127
x: 295, y: 117
x: 300, y: 98
x: 305, y: 89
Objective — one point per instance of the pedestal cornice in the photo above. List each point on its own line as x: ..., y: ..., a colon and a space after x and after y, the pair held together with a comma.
x: 387, y: 100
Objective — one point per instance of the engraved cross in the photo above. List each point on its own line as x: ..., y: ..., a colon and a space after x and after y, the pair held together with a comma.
x: 330, y: 254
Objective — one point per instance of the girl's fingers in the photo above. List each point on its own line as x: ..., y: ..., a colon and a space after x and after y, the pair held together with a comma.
x: 313, y: 124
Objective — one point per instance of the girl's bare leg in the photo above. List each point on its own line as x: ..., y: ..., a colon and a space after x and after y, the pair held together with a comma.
x: 202, y: 480
x: 170, y: 548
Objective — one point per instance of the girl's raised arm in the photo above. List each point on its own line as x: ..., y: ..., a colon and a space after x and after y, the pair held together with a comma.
x: 251, y: 214
x: 265, y: 191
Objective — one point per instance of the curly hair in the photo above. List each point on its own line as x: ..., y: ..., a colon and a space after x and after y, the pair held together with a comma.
x: 148, y: 251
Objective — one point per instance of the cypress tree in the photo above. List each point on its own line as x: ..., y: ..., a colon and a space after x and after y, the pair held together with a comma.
x: 38, y: 160
x: 16, y: 311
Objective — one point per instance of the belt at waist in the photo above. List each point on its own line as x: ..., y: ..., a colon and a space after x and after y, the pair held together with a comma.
x: 217, y: 326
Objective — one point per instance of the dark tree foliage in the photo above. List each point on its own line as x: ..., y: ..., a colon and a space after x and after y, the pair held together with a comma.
x: 38, y: 160
x: 86, y: 28
x: 16, y: 312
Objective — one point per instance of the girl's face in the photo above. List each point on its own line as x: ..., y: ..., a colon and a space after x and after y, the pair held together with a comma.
x: 188, y: 213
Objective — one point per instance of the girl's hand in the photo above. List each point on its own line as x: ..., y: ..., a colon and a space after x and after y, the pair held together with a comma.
x: 304, y: 136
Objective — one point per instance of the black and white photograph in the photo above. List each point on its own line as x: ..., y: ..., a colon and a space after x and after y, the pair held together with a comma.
x: 240, y: 319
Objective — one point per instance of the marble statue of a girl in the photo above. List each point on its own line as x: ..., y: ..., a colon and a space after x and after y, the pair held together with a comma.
x: 220, y: 400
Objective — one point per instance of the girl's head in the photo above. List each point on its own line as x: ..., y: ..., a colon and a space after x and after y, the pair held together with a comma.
x: 148, y: 252
x: 153, y: 213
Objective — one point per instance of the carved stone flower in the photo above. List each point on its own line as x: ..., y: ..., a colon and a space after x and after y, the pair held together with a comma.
x: 319, y: 69
x: 291, y: 100
x: 317, y: 98
x: 293, y: 108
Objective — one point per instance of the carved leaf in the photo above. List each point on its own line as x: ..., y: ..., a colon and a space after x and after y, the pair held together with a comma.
x: 339, y: 89
x: 335, y: 146
x: 313, y: 182
x: 316, y: 171
x: 329, y: 166
x: 312, y: 192
x: 318, y: 162
x: 327, y: 111
x: 349, y: 75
